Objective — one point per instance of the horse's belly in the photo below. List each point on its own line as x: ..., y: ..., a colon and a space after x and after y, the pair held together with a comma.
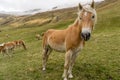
x: 56, y: 42
x: 57, y: 47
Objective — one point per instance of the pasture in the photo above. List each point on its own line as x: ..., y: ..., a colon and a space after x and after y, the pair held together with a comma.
x: 99, y: 60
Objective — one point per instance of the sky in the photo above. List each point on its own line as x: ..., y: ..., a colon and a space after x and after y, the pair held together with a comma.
x: 25, y: 5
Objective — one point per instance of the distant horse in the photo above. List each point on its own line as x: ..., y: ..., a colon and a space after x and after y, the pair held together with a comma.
x: 7, y: 35
x: 38, y: 36
x: 70, y: 40
x: 20, y: 43
x: 7, y: 47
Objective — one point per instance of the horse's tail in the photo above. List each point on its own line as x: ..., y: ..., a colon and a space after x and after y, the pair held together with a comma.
x: 24, y: 46
x: 45, y: 37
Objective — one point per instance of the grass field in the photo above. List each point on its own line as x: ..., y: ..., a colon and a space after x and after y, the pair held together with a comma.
x: 99, y: 60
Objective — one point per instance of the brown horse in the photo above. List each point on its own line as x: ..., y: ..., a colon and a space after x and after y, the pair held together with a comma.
x: 5, y: 48
x: 20, y: 43
x: 70, y: 40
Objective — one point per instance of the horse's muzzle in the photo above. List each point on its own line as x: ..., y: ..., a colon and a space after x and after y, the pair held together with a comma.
x: 85, y: 36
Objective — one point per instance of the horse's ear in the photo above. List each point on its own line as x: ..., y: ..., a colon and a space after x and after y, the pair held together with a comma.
x: 80, y: 7
x: 93, y: 4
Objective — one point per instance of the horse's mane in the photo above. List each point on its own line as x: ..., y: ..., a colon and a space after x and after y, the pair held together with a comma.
x: 89, y: 9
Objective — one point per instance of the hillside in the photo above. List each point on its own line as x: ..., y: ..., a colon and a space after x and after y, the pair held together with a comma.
x: 39, y: 18
x: 42, y: 18
x: 99, y: 60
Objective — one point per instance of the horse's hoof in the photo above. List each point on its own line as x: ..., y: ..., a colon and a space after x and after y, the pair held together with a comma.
x: 44, y: 69
x: 65, y: 78
x: 70, y: 76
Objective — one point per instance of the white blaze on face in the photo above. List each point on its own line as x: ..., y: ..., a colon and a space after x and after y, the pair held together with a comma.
x: 85, y: 13
x: 86, y: 30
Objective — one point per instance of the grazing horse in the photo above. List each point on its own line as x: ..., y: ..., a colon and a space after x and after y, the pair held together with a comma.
x: 20, y: 43
x: 70, y: 40
x: 38, y: 36
x: 7, y: 47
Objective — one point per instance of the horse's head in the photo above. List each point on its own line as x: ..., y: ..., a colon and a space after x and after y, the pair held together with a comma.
x: 87, y: 18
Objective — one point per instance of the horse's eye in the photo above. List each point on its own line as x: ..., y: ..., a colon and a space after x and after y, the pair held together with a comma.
x: 93, y: 17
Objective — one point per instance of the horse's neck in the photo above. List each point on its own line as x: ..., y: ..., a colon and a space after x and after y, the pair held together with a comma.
x: 77, y: 24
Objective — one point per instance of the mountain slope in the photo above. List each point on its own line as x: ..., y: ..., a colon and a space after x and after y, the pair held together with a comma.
x: 49, y: 16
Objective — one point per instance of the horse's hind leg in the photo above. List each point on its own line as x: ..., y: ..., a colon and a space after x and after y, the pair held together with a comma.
x: 46, y: 53
x: 12, y: 50
x: 7, y: 52
x: 2, y: 53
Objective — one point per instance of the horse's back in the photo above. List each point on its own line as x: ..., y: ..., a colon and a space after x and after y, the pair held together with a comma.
x: 49, y: 32
x: 9, y: 45
x: 55, y: 34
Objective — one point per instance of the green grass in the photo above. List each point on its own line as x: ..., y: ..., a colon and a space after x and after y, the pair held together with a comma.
x: 99, y: 60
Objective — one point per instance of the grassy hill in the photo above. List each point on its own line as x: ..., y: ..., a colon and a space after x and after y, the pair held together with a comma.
x: 99, y: 60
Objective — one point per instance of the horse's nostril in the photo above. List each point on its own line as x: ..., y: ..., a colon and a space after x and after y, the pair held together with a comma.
x: 86, y: 36
x: 82, y: 35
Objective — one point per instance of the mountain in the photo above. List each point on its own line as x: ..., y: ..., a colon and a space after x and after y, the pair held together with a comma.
x: 40, y: 17
x: 33, y: 11
x: 39, y: 10
x: 2, y: 15
x: 29, y: 12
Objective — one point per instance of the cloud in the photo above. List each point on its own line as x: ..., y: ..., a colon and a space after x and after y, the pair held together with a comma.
x: 23, y: 5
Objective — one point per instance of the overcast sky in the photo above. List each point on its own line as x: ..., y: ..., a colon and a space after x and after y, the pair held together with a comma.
x: 24, y: 5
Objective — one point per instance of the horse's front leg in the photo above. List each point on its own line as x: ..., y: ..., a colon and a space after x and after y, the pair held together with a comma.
x: 68, y: 56
x: 71, y: 65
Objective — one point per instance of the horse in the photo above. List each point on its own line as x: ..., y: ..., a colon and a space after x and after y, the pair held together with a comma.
x: 5, y: 48
x: 70, y: 40
x: 38, y: 36
x: 19, y: 43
